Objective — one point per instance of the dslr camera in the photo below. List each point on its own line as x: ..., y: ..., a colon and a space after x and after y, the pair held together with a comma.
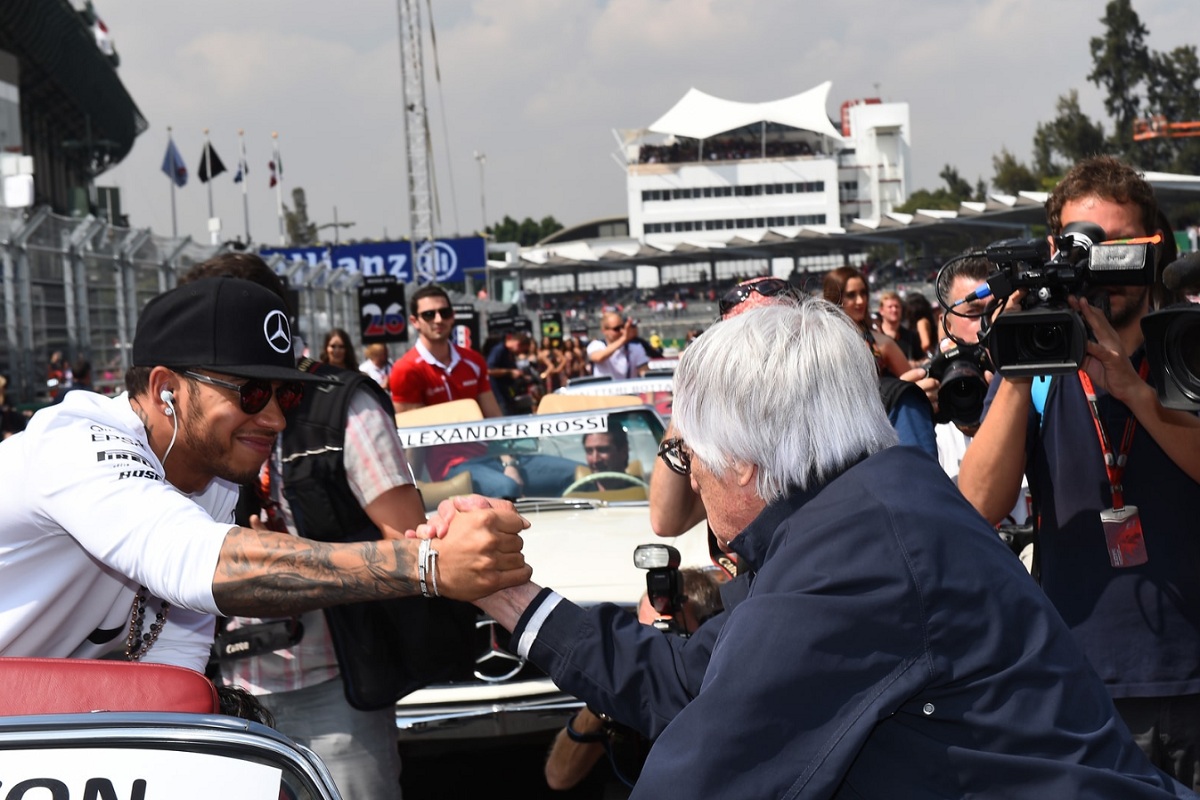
x: 963, y: 384
x: 1045, y: 336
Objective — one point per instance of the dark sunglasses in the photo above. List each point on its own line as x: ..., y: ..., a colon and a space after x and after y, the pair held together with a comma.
x: 768, y: 288
x: 445, y: 312
x: 673, y: 454
x: 254, y: 394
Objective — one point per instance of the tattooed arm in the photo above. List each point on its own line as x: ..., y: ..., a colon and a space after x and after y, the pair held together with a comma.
x: 263, y: 573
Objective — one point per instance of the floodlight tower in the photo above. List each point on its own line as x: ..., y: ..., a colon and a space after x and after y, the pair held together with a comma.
x: 417, y: 146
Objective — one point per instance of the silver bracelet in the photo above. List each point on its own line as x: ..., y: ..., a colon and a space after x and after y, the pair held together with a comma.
x: 433, y: 557
x: 422, y: 556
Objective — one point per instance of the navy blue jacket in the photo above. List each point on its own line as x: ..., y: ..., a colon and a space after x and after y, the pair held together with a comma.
x: 889, y: 645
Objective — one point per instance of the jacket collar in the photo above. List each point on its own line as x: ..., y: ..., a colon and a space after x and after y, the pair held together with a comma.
x: 753, y: 545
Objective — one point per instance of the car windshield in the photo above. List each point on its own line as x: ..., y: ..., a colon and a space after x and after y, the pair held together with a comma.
x: 604, y: 454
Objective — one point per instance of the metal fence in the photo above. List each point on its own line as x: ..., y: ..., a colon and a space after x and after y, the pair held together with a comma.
x: 75, y: 286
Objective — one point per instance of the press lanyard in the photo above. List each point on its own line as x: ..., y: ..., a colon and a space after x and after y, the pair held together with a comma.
x: 1114, y: 464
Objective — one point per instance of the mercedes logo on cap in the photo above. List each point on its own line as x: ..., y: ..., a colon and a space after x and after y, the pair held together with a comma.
x: 278, y: 332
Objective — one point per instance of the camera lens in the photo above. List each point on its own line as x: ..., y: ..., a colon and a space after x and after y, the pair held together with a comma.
x: 962, y: 393
x: 1182, y: 346
x: 1044, y: 340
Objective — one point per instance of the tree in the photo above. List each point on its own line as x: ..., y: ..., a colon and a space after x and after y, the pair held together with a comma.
x: 1071, y: 134
x: 1012, y: 176
x: 1120, y: 63
x: 526, y: 233
x: 956, y: 191
x: 1171, y: 93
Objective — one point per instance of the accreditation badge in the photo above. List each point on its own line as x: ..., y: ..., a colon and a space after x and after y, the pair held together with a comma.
x: 1123, y: 535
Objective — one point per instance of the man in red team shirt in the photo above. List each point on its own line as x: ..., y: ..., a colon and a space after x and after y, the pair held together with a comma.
x: 438, y: 371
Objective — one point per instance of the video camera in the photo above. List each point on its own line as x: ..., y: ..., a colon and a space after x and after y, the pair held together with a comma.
x: 1045, y: 336
x: 664, y: 585
x: 964, y: 386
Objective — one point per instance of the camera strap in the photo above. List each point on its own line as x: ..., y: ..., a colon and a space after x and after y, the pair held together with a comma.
x: 1114, y: 463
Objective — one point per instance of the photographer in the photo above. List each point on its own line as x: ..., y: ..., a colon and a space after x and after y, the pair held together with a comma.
x: 588, y: 736
x: 1131, y: 605
x: 618, y: 355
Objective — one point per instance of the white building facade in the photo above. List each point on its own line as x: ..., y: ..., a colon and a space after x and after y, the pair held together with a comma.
x: 712, y: 169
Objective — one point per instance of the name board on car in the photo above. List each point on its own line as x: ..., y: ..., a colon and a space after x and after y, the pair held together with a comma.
x: 493, y: 431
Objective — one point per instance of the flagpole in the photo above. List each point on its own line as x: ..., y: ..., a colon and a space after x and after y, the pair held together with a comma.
x: 278, y: 186
x: 242, y: 168
x: 174, y: 223
x: 207, y: 167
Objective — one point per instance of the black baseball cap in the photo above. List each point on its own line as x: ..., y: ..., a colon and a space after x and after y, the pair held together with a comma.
x: 224, y: 324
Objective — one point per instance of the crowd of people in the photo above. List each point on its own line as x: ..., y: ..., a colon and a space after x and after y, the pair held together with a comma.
x: 877, y: 638
x: 726, y: 148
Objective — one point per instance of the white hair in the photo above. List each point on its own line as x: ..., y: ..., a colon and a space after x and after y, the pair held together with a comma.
x: 789, y: 388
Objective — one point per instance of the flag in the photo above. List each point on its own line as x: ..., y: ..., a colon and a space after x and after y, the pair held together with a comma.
x: 276, y: 170
x: 210, y: 164
x: 243, y: 168
x: 173, y: 164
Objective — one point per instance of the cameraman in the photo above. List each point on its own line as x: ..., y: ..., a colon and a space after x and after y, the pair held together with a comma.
x: 588, y: 735
x: 1137, y: 624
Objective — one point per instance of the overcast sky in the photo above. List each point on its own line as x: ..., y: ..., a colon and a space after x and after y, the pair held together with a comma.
x: 539, y: 86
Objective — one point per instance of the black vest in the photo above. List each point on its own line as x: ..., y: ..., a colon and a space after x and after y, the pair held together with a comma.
x: 387, y: 648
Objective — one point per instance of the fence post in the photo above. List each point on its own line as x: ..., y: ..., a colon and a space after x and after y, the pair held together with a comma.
x: 18, y: 306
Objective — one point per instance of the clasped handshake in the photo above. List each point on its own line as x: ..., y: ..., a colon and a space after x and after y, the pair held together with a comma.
x: 479, y: 543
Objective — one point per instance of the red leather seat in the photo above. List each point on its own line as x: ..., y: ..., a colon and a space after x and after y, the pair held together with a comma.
x: 68, y: 685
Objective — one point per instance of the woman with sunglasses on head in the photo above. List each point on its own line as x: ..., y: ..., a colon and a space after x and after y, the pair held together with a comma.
x: 338, y: 350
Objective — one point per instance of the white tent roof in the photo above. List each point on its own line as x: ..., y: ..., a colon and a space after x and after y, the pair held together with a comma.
x: 700, y: 116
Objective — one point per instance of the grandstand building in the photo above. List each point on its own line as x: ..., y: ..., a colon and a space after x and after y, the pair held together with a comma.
x: 65, y: 116
x: 712, y: 169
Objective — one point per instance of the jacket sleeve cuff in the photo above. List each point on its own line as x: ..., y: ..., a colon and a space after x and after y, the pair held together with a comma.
x: 530, y: 623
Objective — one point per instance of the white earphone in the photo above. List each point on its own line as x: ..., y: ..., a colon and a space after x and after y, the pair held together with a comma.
x: 168, y: 397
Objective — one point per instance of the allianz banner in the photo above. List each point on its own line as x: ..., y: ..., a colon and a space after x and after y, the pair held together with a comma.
x: 440, y: 261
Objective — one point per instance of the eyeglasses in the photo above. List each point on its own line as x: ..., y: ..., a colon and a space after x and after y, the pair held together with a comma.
x: 446, y: 312
x: 254, y: 394
x: 674, y: 454
x: 768, y: 288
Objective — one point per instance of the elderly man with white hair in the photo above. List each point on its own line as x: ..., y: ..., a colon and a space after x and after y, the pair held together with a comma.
x: 884, y: 642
